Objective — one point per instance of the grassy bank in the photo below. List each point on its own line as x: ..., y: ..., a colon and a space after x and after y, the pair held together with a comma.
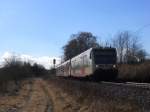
x: 73, y: 96
x: 135, y: 72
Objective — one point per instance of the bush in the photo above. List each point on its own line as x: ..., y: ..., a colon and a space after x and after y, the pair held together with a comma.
x: 38, y: 70
x: 135, y: 72
x: 16, y: 71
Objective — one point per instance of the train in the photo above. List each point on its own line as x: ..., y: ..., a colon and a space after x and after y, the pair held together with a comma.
x: 94, y: 64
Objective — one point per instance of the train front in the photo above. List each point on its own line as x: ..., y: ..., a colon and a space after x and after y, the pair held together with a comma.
x: 105, y: 64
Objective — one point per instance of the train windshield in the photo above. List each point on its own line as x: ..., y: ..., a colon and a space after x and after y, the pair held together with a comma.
x: 104, y: 56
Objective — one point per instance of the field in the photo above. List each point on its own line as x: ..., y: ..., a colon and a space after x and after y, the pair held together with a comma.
x: 30, y: 98
x: 61, y: 95
x: 73, y: 96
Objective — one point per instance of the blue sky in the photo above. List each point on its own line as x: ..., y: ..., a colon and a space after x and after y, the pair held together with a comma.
x: 42, y: 27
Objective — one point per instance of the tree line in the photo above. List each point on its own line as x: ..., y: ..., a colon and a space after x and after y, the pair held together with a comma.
x: 129, y: 49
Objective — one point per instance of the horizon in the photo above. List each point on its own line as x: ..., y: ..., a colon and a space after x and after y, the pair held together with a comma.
x: 40, y: 28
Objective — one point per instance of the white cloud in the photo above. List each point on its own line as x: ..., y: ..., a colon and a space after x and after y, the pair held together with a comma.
x: 6, y: 55
x: 46, y: 61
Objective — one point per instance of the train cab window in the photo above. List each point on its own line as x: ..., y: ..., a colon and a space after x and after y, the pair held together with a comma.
x: 104, y: 56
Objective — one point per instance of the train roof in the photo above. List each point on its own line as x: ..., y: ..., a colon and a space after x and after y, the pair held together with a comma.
x: 63, y: 63
x: 91, y: 49
x: 105, y: 48
x: 86, y: 52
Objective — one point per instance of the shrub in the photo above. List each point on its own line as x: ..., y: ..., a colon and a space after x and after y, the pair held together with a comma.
x: 135, y: 72
x: 38, y: 70
x: 16, y: 71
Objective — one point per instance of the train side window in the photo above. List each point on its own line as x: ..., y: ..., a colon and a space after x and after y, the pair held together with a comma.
x: 90, y: 55
x: 86, y: 60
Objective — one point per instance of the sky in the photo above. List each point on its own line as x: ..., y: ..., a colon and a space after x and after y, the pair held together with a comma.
x: 40, y: 28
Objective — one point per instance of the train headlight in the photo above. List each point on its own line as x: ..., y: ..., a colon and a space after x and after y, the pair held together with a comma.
x: 114, y: 66
x: 97, y: 66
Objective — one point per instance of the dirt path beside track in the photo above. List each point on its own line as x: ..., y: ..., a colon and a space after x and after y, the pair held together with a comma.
x: 39, y: 101
x: 31, y: 98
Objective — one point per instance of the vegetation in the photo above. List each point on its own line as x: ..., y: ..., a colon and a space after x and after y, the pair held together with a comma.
x: 15, y: 71
x: 78, y: 96
x: 127, y: 44
x: 133, y: 65
x: 135, y: 72
x: 79, y: 42
x: 128, y: 47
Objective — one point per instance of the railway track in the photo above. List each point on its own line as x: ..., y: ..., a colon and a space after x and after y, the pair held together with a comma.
x: 126, y: 84
x: 131, y: 84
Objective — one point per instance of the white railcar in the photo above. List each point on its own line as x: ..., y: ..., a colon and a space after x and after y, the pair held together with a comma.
x: 82, y: 65
x: 90, y: 63
x: 63, y: 69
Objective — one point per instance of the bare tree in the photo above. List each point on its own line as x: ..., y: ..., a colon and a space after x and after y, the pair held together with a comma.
x: 128, y: 47
x: 119, y: 43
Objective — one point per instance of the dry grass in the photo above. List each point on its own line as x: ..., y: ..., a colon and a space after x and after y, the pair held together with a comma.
x: 76, y: 96
x: 31, y: 98
x: 17, y: 101
x: 137, y: 73
x: 38, y: 99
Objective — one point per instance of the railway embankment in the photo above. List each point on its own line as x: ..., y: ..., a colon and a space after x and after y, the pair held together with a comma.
x: 73, y: 96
